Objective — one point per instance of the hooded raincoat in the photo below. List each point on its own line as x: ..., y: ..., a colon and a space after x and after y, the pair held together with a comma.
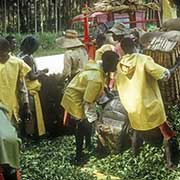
x: 10, y: 73
x: 139, y: 91
x: 86, y: 86
x: 101, y: 50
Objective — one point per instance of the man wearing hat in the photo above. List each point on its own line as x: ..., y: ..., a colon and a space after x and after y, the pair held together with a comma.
x: 118, y: 31
x: 75, y: 56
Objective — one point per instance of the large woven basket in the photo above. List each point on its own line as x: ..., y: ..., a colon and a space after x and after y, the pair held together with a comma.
x: 165, y: 52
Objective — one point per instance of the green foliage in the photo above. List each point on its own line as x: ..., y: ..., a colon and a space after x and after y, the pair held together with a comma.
x: 174, y: 118
x: 47, y: 43
x: 51, y: 159
x: 47, y: 40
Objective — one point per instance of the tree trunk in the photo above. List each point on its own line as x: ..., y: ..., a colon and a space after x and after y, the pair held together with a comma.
x: 46, y: 14
x: 56, y: 17
x: 18, y: 17
x: 35, y: 16
x: 5, y: 17
x: 60, y: 14
x: 42, y: 16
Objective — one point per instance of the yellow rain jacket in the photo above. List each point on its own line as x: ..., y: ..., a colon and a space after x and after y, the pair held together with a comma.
x: 10, y: 73
x: 137, y: 76
x: 33, y: 89
x: 101, y: 50
x: 86, y: 86
x: 169, y: 10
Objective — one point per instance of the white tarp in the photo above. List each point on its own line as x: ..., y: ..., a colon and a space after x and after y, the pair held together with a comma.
x: 54, y: 63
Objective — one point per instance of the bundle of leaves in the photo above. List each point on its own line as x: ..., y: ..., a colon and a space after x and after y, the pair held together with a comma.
x: 51, y: 95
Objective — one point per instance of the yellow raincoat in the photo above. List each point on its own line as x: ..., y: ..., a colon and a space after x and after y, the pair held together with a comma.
x: 101, y: 50
x: 169, y: 10
x: 137, y: 76
x: 33, y: 89
x: 10, y: 72
x: 86, y: 86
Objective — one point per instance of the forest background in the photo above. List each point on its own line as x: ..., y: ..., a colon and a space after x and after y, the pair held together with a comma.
x: 45, y: 19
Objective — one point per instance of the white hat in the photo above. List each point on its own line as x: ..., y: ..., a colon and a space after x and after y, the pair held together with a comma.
x: 70, y: 39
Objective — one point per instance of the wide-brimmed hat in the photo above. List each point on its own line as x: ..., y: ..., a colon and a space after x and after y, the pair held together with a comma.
x: 119, y: 29
x: 70, y: 39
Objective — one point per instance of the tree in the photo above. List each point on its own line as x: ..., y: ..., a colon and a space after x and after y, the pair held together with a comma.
x: 29, y: 16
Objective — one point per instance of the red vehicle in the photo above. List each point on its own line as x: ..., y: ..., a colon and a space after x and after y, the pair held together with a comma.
x: 90, y: 24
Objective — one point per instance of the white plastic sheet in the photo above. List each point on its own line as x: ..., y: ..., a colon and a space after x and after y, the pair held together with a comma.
x: 54, y: 63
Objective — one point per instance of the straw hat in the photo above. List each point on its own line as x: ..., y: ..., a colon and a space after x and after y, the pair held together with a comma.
x: 70, y: 39
x: 119, y: 29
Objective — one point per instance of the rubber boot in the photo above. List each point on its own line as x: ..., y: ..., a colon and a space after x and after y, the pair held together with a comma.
x: 88, y: 134
x: 136, y: 143
x: 168, y: 144
x: 10, y: 173
x: 79, y: 142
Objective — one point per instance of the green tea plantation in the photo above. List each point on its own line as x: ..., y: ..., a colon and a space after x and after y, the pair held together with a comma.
x: 51, y: 159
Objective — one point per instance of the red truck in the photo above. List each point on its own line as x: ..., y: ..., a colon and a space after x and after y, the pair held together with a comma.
x: 89, y: 24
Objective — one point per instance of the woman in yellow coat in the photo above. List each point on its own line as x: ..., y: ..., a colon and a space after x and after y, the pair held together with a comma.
x: 36, y: 125
x: 137, y: 76
x: 81, y: 94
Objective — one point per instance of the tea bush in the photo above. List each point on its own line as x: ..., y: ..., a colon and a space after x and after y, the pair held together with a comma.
x: 52, y: 159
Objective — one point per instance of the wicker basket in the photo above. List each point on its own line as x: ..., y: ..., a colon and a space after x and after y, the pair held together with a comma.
x: 165, y: 52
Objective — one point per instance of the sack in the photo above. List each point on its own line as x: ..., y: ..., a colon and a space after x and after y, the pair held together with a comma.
x: 112, y: 124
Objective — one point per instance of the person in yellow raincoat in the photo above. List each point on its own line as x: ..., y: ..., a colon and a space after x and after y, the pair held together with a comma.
x: 168, y: 10
x: 102, y: 47
x: 35, y: 127
x: 12, y: 73
x: 81, y: 94
x: 99, y: 52
x: 137, y: 84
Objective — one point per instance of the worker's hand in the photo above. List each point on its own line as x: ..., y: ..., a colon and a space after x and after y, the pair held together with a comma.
x: 27, y: 115
x: 41, y: 73
x: 90, y: 112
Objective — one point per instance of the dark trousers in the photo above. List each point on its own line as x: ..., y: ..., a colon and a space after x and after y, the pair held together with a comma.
x: 83, y: 131
x: 9, y: 173
x: 155, y: 136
